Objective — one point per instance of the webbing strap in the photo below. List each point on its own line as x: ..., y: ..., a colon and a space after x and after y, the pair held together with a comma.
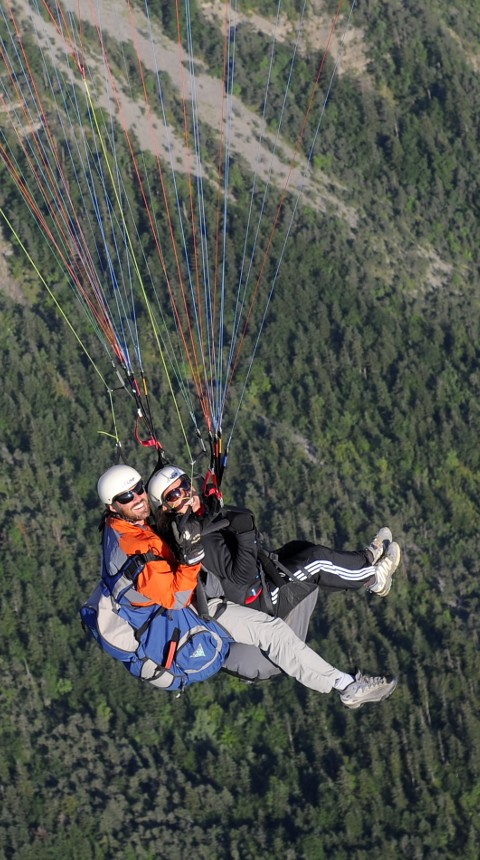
x: 266, y: 596
x: 135, y: 563
x: 141, y: 630
x: 274, y: 565
x: 201, y: 600
x: 272, y: 568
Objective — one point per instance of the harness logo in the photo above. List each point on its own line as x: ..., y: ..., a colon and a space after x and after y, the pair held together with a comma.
x: 199, y: 652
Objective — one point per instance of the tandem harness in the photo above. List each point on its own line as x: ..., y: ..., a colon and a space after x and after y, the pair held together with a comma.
x: 291, y: 590
x: 170, y: 648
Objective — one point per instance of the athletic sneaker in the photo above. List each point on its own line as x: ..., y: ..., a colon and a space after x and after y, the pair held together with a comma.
x: 365, y: 689
x: 384, y: 570
x: 378, y: 545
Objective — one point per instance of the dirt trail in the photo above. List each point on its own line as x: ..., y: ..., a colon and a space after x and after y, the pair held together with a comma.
x: 284, y: 168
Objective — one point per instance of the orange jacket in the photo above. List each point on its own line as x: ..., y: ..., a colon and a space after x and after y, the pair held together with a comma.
x: 166, y: 581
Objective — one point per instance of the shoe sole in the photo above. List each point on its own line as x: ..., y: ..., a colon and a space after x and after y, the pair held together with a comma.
x: 374, y: 701
x: 382, y: 540
x: 395, y: 559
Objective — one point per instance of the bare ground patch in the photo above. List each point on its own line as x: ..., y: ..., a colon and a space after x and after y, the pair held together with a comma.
x: 314, y: 35
x: 8, y: 284
x: 278, y: 164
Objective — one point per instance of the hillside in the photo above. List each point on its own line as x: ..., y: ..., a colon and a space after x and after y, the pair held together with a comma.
x: 362, y: 409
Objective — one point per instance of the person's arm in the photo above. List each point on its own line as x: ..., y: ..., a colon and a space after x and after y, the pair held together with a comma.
x: 168, y: 585
x: 231, y: 554
x: 164, y: 580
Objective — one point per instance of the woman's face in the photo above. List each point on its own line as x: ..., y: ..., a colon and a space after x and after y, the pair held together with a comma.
x: 180, y: 496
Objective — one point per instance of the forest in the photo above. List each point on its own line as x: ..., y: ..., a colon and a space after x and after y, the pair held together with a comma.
x: 362, y: 410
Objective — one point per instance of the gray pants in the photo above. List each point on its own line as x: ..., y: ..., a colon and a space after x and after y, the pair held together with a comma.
x: 280, y: 644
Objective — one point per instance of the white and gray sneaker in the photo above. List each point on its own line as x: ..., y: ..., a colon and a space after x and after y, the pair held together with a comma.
x: 384, y: 570
x: 366, y: 688
x: 378, y: 544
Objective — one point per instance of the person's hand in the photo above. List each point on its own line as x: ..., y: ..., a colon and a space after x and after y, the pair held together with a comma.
x: 240, y: 521
x: 188, y: 535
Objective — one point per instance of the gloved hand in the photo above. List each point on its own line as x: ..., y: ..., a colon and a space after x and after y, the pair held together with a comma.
x: 240, y: 521
x: 187, y: 532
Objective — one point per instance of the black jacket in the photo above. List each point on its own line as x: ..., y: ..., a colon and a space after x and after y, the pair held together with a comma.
x: 229, y: 538
x: 231, y: 553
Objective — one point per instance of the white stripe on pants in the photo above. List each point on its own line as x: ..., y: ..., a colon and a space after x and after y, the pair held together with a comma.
x: 280, y: 644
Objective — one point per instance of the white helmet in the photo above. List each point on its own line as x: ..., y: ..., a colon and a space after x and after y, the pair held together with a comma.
x: 117, y: 479
x: 161, y: 481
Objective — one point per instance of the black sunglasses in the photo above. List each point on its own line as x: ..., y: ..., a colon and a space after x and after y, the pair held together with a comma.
x: 125, y: 498
x: 183, y: 488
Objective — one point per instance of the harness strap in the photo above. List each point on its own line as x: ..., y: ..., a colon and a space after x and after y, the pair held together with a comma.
x: 265, y: 591
x: 126, y: 576
x: 172, y: 648
x: 201, y: 600
x: 135, y: 563
x: 272, y: 567
x: 138, y: 633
